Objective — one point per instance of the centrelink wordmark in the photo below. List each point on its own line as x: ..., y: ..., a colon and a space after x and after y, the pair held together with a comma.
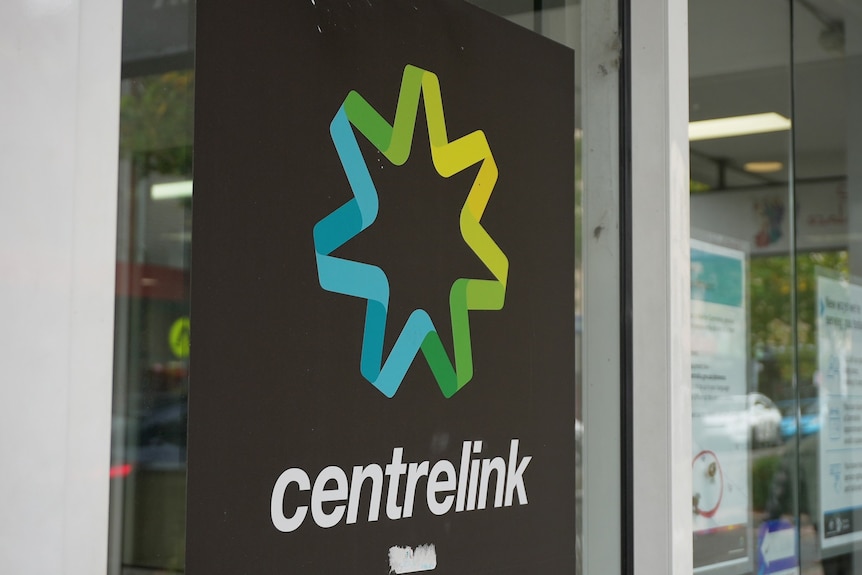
x: 334, y: 498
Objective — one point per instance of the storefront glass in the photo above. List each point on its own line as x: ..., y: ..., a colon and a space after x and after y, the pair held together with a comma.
x: 742, y: 335
x: 154, y: 271
x: 772, y: 212
x: 827, y: 81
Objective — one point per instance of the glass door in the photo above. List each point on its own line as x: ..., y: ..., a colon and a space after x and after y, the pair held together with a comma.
x: 152, y: 344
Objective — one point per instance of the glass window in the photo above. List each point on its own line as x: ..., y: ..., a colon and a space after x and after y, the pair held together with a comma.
x: 744, y: 358
x: 827, y: 47
x: 151, y: 353
x: 783, y: 196
x: 152, y: 343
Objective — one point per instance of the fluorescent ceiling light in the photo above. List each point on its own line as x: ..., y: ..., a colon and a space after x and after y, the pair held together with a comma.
x: 763, y: 167
x: 737, y: 126
x: 172, y: 190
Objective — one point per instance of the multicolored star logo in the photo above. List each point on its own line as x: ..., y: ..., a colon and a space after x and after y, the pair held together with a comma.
x: 370, y: 282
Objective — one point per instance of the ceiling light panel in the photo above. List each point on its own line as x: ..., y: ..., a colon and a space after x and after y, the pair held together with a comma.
x: 737, y: 126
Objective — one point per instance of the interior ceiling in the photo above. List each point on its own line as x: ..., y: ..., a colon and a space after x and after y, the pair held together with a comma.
x: 740, y: 63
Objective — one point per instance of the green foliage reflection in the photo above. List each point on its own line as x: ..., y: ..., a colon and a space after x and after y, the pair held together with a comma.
x: 157, y: 121
x: 771, y: 318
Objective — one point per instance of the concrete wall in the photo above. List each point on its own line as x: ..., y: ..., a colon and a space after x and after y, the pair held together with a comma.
x: 59, y: 109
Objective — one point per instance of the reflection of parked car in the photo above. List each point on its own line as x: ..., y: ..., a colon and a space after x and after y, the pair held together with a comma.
x: 809, y: 418
x: 156, y: 439
x: 764, y: 420
x: 162, y: 436
x: 751, y: 418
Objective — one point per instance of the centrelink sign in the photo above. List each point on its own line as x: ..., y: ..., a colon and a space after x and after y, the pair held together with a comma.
x: 383, y: 360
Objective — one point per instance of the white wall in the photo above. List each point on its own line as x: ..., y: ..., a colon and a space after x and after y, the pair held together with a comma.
x: 59, y: 90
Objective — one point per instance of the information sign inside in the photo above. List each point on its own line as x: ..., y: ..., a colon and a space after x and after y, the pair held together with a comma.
x: 719, y: 406
x: 839, y: 365
x: 776, y: 548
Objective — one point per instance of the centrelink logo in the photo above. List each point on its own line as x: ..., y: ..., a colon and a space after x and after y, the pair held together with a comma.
x: 335, y: 495
x: 370, y: 282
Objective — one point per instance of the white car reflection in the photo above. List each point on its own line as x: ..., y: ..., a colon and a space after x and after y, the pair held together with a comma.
x: 753, y: 418
x: 764, y: 419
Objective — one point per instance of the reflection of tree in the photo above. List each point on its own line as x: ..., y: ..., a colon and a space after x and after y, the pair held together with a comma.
x: 156, y: 132
x: 156, y: 122
x: 771, y: 335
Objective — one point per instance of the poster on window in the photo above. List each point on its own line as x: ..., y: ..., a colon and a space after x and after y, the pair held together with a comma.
x: 382, y: 368
x: 836, y: 422
x: 721, y: 433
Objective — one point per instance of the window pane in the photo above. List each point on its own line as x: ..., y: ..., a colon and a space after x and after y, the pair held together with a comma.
x: 148, y: 454
x: 147, y: 531
x: 827, y: 76
x: 742, y: 287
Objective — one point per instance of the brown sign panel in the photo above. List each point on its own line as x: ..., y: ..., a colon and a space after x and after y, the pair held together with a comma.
x: 382, y: 373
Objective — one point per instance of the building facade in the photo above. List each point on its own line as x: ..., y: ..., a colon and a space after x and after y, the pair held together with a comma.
x: 708, y: 166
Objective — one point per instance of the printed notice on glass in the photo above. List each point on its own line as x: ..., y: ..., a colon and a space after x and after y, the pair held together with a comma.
x: 720, y: 431
x: 839, y: 365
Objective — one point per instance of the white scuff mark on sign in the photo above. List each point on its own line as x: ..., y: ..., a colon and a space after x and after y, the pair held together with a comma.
x: 408, y: 560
